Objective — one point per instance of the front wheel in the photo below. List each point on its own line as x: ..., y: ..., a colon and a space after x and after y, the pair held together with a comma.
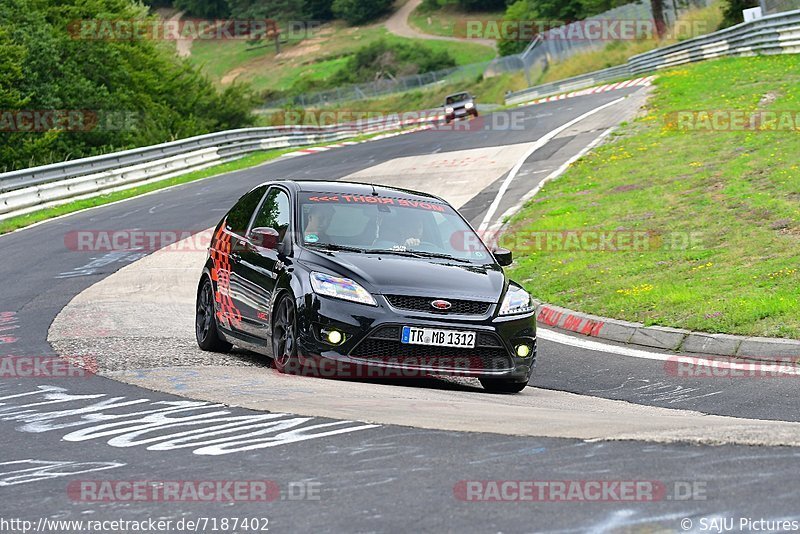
x: 208, y: 337
x: 284, y: 337
x: 499, y: 385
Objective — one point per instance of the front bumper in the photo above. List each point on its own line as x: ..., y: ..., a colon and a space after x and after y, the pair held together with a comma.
x: 372, y: 338
x: 460, y: 113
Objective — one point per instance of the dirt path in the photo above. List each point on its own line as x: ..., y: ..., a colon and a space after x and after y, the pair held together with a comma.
x: 183, y: 46
x: 398, y: 25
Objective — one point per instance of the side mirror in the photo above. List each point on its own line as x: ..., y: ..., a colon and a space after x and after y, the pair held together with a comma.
x: 264, y: 237
x: 502, y: 256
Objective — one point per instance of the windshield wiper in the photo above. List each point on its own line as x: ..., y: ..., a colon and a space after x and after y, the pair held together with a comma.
x: 425, y: 254
x: 407, y: 253
x: 419, y: 254
x: 334, y: 246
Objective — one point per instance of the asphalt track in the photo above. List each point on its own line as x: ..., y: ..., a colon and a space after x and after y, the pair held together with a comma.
x: 372, y: 477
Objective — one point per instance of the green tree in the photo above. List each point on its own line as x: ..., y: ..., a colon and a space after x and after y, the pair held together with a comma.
x: 319, y: 9
x: 360, y: 11
x: 143, y: 93
x: 210, y: 9
x: 481, y: 5
x: 281, y: 10
x: 732, y: 14
x: 384, y: 60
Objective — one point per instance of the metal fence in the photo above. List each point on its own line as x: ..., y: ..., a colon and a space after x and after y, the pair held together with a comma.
x: 381, y: 87
x: 550, y: 46
x: 774, y: 34
x: 771, y: 7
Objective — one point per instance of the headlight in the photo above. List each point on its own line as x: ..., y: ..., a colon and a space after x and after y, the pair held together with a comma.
x: 448, y: 110
x: 469, y: 105
x: 340, y: 288
x: 517, y: 300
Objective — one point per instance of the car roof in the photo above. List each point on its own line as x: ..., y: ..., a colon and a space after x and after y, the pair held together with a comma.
x: 356, y: 188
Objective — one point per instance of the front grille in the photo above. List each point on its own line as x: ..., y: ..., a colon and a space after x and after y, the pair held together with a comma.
x: 423, y: 304
x: 384, y: 346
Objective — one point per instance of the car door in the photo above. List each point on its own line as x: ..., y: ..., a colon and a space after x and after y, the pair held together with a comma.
x: 257, y: 267
x: 225, y: 249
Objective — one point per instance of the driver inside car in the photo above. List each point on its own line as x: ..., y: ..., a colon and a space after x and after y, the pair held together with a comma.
x: 413, y: 232
x: 404, y: 232
x: 318, y: 219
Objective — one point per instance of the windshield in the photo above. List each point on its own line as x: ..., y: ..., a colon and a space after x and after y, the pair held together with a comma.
x: 452, y: 99
x: 391, y: 225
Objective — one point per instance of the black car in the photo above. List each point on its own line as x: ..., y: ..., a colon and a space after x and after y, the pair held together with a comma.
x: 310, y: 272
x: 459, y: 106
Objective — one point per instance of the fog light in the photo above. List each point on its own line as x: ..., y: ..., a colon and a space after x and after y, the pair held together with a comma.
x: 523, y: 351
x: 335, y: 337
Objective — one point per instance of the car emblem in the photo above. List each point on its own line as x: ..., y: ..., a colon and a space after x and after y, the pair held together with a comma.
x: 441, y: 304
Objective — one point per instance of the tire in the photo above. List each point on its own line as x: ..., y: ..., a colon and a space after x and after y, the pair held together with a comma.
x: 284, y: 337
x: 498, y: 385
x: 205, y: 323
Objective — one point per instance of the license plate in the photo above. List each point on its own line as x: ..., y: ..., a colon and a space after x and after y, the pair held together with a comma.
x: 439, y: 338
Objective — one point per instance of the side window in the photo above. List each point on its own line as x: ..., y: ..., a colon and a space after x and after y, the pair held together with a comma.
x: 274, y: 212
x: 241, y: 213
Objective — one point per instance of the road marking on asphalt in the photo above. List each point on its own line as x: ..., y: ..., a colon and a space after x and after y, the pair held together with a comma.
x: 29, y: 470
x: 552, y: 176
x: 209, y: 429
x: 542, y: 141
x: 588, y: 344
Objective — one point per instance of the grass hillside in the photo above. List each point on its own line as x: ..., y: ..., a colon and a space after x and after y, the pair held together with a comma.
x: 303, y: 62
x: 449, y: 21
x: 721, y: 209
x: 692, y: 23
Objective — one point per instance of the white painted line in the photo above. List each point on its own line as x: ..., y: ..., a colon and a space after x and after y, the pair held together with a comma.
x: 588, y: 344
x: 487, y: 219
x: 553, y: 175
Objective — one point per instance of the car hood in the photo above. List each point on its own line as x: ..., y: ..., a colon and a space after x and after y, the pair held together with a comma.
x: 398, y: 275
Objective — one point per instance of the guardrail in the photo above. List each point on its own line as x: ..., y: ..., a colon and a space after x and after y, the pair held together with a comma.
x: 27, y: 190
x: 568, y: 84
x: 30, y: 189
x: 774, y: 34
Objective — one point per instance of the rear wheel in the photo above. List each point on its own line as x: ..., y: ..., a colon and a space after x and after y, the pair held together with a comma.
x: 284, y: 337
x: 208, y: 337
x: 499, y: 385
